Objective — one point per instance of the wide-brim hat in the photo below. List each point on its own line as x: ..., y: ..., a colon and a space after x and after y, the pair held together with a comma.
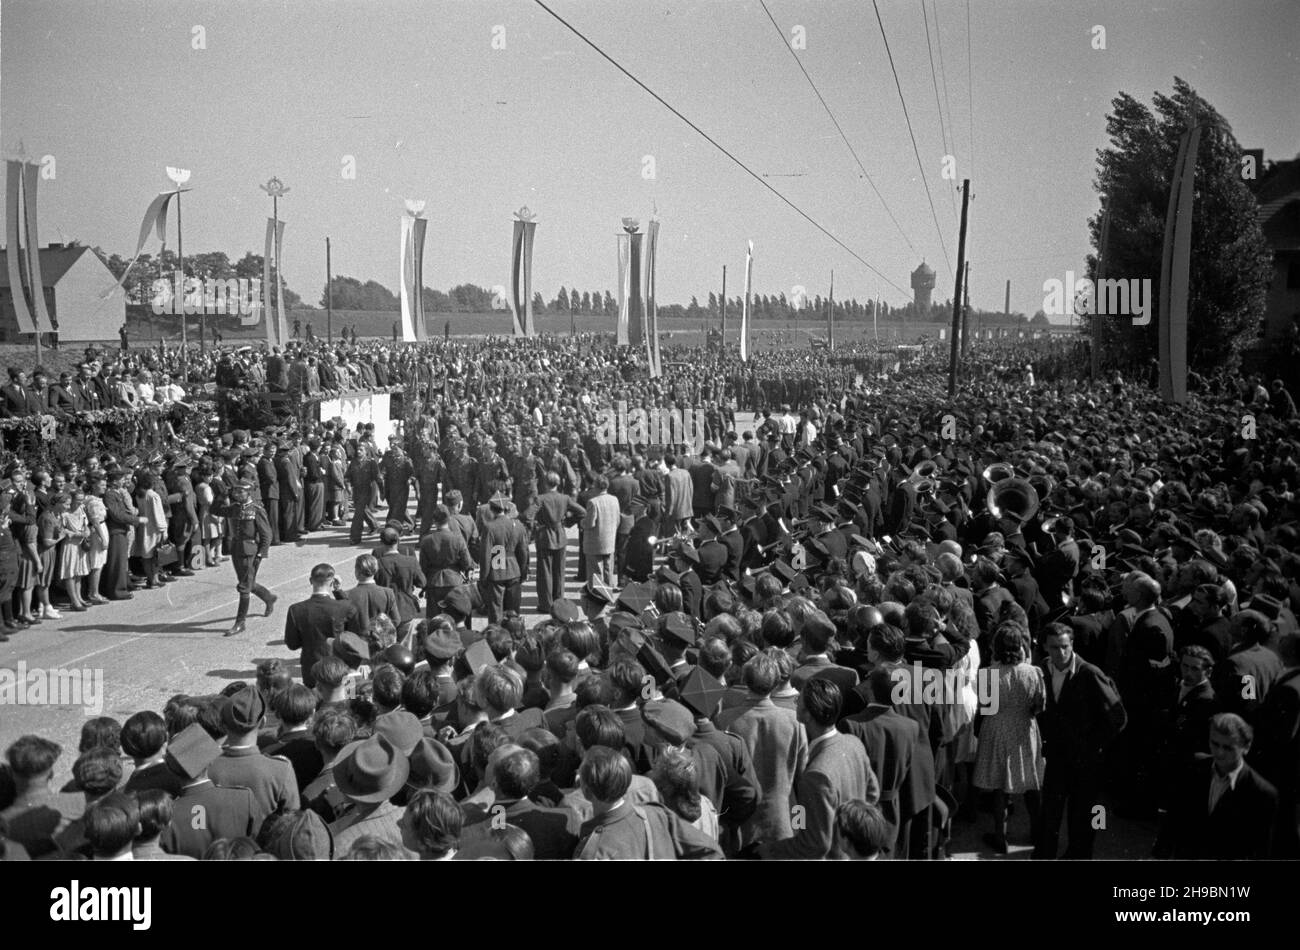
x: 371, y: 770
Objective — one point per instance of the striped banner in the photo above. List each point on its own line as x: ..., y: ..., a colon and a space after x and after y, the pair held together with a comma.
x: 268, y: 306
x: 31, y: 179
x: 521, y: 278
x: 406, y: 279
x: 13, y: 259
x: 417, y: 309
x: 635, y: 303
x: 651, y: 308
x: 744, y: 310
x: 155, y: 217
x: 624, y: 269
x: 282, y: 327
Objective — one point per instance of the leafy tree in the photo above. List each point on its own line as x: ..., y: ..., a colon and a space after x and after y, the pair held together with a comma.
x: 1231, y: 264
x: 585, y: 303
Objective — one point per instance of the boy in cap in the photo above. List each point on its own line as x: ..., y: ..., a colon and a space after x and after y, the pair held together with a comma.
x: 241, y: 763
x: 204, y: 811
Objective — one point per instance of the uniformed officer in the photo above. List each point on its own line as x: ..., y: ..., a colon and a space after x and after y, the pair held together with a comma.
x: 270, y: 777
x: 249, y: 531
x: 204, y: 811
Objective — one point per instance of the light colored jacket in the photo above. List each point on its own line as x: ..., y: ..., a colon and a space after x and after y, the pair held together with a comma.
x: 600, y: 525
x: 679, y: 495
x: 778, y: 746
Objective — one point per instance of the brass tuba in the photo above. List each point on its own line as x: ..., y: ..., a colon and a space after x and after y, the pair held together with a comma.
x: 1013, y: 498
x: 924, y: 472
x: 997, y: 472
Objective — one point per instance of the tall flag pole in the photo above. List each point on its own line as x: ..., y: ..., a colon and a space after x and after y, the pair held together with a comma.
x: 629, y: 290
x: 744, y: 310
x: 179, y: 176
x: 277, y: 331
x: 1094, y: 324
x: 830, y: 315
x: 521, y: 273
x: 651, y: 308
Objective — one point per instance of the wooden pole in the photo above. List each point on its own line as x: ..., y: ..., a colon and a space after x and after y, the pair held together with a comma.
x: 180, y: 268
x: 329, y: 297
x: 830, y: 315
x: 724, y: 308
x: 956, y: 294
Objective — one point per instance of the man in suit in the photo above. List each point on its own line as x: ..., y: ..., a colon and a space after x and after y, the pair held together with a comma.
x: 817, y: 633
x: 444, y: 559
x: 83, y: 390
x: 15, y: 398
x: 61, y: 402
x: 311, y: 624
x: 1082, y: 716
x: 1277, y: 745
x: 838, y: 771
x: 503, y: 559
x: 364, y: 479
x: 184, y: 521
x: 269, y: 484
x: 1058, y: 567
x: 555, y: 511
x: 401, y: 573
x: 288, y: 473
x: 277, y: 372
x: 313, y: 486
x: 1245, y: 677
x: 398, y: 475
x: 901, y: 758
x: 679, y: 497
x: 516, y: 773
x: 249, y: 531
x: 1185, y: 725
x: 121, y: 518
x: 600, y: 532
x: 1225, y: 810
x: 1204, y: 624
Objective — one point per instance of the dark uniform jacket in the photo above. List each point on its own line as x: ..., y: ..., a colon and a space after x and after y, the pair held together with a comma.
x: 206, y: 812
x: 272, y: 780
x: 444, y: 559
x: 503, y: 553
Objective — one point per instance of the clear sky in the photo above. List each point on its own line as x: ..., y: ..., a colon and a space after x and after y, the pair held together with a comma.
x: 418, y: 96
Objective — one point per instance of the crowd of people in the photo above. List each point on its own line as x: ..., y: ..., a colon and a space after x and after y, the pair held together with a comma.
x: 837, y: 632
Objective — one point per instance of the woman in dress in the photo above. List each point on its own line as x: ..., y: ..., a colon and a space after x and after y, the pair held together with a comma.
x: 1009, y: 760
x: 152, y: 529
x: 210, y: 524
x: 97, y: 540
x: 49, y: 532
x: 336, y: 485
x: 72, y: 551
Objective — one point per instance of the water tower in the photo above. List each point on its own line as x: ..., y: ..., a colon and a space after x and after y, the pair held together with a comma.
x: 922, y: 284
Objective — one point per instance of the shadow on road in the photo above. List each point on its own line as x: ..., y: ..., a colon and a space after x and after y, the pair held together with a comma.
x: 161, y: 630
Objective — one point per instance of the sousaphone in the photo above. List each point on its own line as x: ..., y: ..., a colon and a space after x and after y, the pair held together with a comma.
x: 1013, y: 498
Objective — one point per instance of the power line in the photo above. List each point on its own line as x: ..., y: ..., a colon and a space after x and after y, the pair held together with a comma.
x: 943, y: 76
x: 835, y: 122
x: 938, y: 107
x: 708, y: 138
x: 916, y: 151
x: 970, y: 93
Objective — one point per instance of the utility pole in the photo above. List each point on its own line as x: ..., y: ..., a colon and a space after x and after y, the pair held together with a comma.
x: 956, y: 294
x: 830, y: 315
x: 724, y: 308
x: 965, y: 313
x: 329, y: 297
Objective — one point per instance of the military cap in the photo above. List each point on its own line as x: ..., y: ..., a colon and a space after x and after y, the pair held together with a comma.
x: 799, y: 583
x: 635, y: 597
x: 653, y: 661
x: 598, y: 590
x: 668, y: 575
x: 499, y: 503
x: 192, y: 750
x: 701, y: 692
x: 686, y: 550
x: 748, y: 585
x: 713, y: 524
x: 784, y: 572
x: 818, y: 548
x: 401, y: 728
x: 622, y: 621
x: 351, y: 649
x: 678, y: 626
x: 244, y: 711
x: 673, y: 720
x: 565, y: 611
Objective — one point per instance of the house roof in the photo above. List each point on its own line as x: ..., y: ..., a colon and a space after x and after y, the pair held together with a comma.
x: 56, y: 260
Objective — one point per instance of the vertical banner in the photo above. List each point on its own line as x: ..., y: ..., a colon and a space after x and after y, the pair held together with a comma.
x: 281, y: 325
x: 268, y: 302
x: 651, y: 308
x: 521, y: 273
x: 516, y: 287
x: 635, y: 303
x: 407, y: 276
x: 744, y: 310
x: 13, y: 188
x: 1175, y: 270
x: 624, y: 269
x: 31, y: 179
x: 417, y: 314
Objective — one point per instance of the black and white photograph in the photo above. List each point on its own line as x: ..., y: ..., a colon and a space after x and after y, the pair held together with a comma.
x: 687, y: 430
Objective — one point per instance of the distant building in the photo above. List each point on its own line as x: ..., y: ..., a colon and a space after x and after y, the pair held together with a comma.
x: 922, y: 285
x: 1278, y: 191
x: 76, y: 281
